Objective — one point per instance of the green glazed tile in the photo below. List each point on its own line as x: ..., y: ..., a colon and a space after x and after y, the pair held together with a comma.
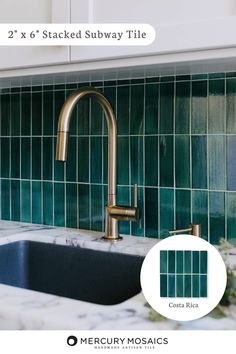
x: 187, y: 262
x: 137, y: 227
x: 96, y: 160
x: 166, y: 211
x: 123, y: 198
x: 166, y: 161
x: 183, y: 78
x: 230, y: 106
x: 137, y: 81
x: 15, y: 115
x: 230, y: 164
x: 110, y: 94
x: 199, y: 107
x: 199, y: 76
x: 183, y: 208
x: 83, y: 111
x: 15, y: 89
x: 36, y: 158
x: 25, y: 158
x: 231, y: 212
x: 200, y: 211
x: 217, y: 162
x: 47, y: 87
x: 151, y: 212
x: 136, y: 160
x: 15, y: 157
x: 37, y: 202
x: 96, y: 118
x: 179, y: 262
x: 151, y: 109
x: 83, y: 159
x: 179, y: 286
x: 216, y: 75
x: 59, y: 87
x: 71, y: 160
x: 152, y: 79
x: 123, y: 160
x: 163, y: 261
x: 167, y: 78
x: 195, y: 285
x: 199, y: 162
x: 48, y: 121
x: 230, y: 74
x: 187, y: 286
x: 25, y: 114
x: 123, y: 82
x: 37, y: 88
x: 171, y: 285
x: 59, y: 167
x: 15, y: 200
x: 47, y: 203
x: 25, y: 201
x: 203, y: 262
x: 182, y: 108
x: 5, y: 199
x: 182, y: 161
x: 151, y: 160
x: 37, y: 113
x: 123, y: 101
x: 6, y: 90
x: 203, y: 285
x: 196, y: 262
x: 59, y: 204
x: 216, y: 107
x: 5, y: 115
x: 71, y: 205
x: 137, y: 110
x: 5, y: 158
x: 105, y: 159
x: 74, y: 116
x: 163, y: 285
x: 171, y: 262
x: 96, y: 208
x: 59, y: 99
x: 166, y: 108
x: 84, y: 206
x: 47, y: 158
x: 217, y: 216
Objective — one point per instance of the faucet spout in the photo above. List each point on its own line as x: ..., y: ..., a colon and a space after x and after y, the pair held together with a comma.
x: 111, y: 232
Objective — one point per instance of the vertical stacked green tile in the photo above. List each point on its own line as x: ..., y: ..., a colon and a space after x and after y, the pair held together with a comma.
x: 183, y: 274
x: 176, y: 139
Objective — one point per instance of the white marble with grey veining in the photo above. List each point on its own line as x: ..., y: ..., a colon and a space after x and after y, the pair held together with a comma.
x: 27, y: 309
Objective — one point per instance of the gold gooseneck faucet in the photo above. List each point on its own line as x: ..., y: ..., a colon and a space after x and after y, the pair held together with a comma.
x: 113, y: 212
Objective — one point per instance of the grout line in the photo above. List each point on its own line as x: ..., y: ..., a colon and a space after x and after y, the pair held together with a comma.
x: 208, y: 165
x: 225, y: 163
x: 174, y: 152
x: 129, y: 120
x: 143, y: 160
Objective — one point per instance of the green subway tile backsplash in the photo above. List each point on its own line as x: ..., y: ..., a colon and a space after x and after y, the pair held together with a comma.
x: 176, y: 140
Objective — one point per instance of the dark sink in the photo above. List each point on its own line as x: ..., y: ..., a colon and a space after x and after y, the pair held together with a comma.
x: 82, y: 274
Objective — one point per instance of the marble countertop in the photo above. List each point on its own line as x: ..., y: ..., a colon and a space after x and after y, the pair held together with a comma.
x: 27, y: 309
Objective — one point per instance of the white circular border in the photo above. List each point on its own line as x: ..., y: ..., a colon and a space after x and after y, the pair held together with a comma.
x: 150, y: 279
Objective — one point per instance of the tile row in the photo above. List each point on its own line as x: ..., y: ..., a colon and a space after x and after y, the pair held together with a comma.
x: 82, y: 205
x: 191, y: 107
x: 197, y: 162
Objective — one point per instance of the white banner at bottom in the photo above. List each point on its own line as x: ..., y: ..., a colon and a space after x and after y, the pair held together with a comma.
x: 83, y: 342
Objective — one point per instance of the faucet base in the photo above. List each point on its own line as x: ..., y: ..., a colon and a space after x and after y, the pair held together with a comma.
x: 111, y: 239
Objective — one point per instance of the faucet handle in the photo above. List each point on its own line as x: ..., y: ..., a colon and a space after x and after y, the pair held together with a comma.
x: 135, y: 195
